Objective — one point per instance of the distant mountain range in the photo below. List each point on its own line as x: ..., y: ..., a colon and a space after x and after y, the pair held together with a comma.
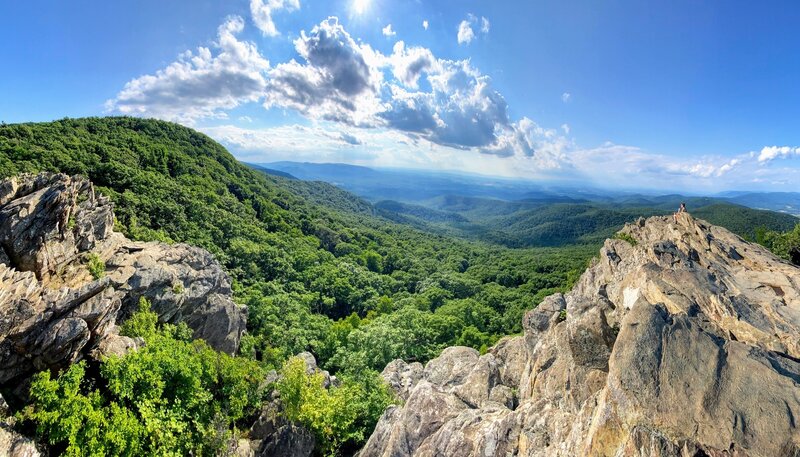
x: 412, y: 186
x: 515, y: 213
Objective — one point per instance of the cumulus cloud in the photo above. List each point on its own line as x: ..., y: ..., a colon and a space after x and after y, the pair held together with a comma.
x: 200, y: 83
x: 639, y: 168
x: 291, y: 142
x: 261, y: 12
x: 387, y: 31
x: 565, y: 128
x: 465, y: 33
x: 408, y: 64
x: 566, y: 97
x: 769, y: 153
x: 344, y: 81
x: 339, y: 80
x: 349, y: 139
x: 425, y: 24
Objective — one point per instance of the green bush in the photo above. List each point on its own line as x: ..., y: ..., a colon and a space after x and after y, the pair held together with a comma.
x: 781, y: 243
x: 626, y: 237
x: 97, y: 268
x: 172, y: 397
x: 338, y: 416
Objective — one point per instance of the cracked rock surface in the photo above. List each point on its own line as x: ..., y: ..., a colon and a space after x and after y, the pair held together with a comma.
x: 684, y: 341
x: 54, y: 311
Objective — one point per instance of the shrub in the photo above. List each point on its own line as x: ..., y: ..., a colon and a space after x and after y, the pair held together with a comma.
x: 339, y: 416
x: 171, y: 397
x: 97, y: 268
x: 626, y: 237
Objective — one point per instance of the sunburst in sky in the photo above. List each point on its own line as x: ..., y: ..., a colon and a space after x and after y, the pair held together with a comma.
x: 360, y: 7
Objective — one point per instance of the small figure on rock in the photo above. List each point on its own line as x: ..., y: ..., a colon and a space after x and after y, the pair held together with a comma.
x: 681, y: 209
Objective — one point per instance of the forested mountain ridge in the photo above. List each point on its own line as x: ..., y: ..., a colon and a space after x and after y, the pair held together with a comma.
x: 554, y: 222
x: 355, y: 290
x: 319, y: 269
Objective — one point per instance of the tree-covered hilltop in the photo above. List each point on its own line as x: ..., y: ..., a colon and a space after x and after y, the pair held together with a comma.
x: 354, y: 289
x: 552, y: 222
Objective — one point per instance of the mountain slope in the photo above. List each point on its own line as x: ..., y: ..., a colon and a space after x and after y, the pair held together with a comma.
x: 681, y: 339
x: 353, y: 289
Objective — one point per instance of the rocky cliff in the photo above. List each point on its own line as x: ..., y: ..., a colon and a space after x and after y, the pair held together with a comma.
x: 67, y: 279
x: 680, y: 340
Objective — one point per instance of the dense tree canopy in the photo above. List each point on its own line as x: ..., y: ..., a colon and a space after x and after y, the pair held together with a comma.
x: 317, y: 268
x: 320, y: 270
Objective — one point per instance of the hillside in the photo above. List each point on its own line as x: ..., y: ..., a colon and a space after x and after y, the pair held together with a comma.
x: 555, y: 222
x: 353, y: 289
x: 325, y: 276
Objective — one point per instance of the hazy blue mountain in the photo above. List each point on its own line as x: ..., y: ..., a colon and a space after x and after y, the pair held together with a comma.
x: 376, y: 184
x: 786, y: 202
x: 517, y: 213
x: 270, y: 171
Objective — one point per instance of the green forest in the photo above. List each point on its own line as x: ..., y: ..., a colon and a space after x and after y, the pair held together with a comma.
x: 320, y: 270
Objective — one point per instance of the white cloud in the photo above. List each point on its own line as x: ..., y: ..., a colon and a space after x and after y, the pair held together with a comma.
x: 199, y: 84
x: 343, y: 81
x: 465, y: 33
x: 408, y: 64
x: 290, y: 142
x: 408, y: 109
x: 425, y: 24
x: 387, y: 31
x: 769, y: 153
x: 339, y: 81
x: 247, y: 119
x: 725, y: 168
x: 261, y: 12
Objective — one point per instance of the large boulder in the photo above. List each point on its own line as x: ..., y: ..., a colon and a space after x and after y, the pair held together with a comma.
x: 682, y: 339
x: 54, y: 310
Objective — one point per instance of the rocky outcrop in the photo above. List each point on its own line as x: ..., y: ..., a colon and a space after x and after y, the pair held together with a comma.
x: 12, y: 444
x: 682, y: 339
x: 55, y: 309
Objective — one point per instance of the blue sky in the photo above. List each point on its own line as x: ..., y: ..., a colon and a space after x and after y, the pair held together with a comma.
x: 679, y: 95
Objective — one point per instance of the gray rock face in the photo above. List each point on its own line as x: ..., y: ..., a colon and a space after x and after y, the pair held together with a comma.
x: 13, y: 444
x: 54, y: 312
x: 685, y: 343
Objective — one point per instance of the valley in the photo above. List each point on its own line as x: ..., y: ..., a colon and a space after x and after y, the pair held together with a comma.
x: 347, y: 284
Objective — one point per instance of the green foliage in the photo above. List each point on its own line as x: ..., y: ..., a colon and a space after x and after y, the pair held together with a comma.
x: 318, y: 270
x: 338, y: 416
x: 172, y: 397
x: 626, y: 237
x: 97, y: 268
x: 780, y: 243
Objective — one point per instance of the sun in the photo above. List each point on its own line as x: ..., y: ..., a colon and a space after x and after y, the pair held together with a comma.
x: 360, y: 6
